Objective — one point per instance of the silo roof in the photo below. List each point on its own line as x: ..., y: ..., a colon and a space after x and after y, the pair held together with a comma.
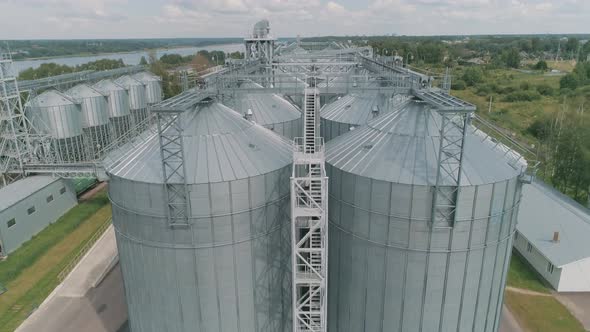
x: 355, y: 109
x: 267, y: 109
x: 82, y: 91
x: 127, y: 81
x: 402, y: 147
x: 219, y: 144
x: 52, y: 98
x: 108, y: 85
x: 145, y: 76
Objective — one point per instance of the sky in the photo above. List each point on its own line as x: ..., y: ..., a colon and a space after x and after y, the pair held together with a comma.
x: 85, y: 19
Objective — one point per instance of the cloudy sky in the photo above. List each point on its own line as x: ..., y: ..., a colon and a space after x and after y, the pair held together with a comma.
x: 28, y: 19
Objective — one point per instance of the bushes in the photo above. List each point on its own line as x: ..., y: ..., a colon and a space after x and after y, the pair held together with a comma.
x: 522, y: 96
x: 545, y: 90
x: 472, y: 76
x: 541, y: 65
x: 459, y: 85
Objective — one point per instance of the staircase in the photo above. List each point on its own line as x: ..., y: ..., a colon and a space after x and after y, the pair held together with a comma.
x: 309, y: 226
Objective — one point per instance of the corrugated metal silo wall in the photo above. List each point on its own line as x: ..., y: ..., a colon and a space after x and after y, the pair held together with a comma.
x: 332, y: 129
x: 288, y: 129
x: 384, y: 276
x: 230, y: 271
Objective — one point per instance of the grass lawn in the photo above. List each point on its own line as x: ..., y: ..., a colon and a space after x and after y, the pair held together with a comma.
x: 520, y: 275
x: 541, y: 313
x: 30, y: 273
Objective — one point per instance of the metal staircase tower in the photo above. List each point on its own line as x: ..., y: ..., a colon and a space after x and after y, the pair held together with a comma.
x: 14, y: 138
x: 309, y: 206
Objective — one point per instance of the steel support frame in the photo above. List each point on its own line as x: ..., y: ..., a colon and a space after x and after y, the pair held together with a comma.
x: 453, y: 131
x: 14, y: 134
x: 173, y: 169
x: 309, y: 227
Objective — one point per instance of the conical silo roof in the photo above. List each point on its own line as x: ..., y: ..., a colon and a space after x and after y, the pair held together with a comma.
x: 356, y: 109
x: 145, y: 76
x: 52, y: 98
x: 403, y: 146
x: 108, y: 85
x: 128, y: 81
x: 267, y: 109
x: 82, y: 91
x: 219, y: 144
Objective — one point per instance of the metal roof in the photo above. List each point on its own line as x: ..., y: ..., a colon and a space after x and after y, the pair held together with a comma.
x: 128, y: 81
x: 146, y: 77
x: 356, y: 109
x: 51, y: 98
x: 266, y: 109
x: 220, y: 145
x: 543, y: 211
x: 402, y: 147
x: 21, y: 189
x: 107, y: 85
x: 82, y: 91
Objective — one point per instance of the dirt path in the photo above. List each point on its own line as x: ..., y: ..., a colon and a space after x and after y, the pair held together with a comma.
x: 526, y: 291
x: 90, y: 193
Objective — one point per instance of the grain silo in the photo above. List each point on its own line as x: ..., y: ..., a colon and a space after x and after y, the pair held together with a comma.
x: 95, y: 117
x: 137, y: 99
x: 270, y: 111
x: 119, y: 112
x: 228, y: 268
x: 354, y: 110
x: 391, y: 269
x: 59, y: 116
x: 153, y: 87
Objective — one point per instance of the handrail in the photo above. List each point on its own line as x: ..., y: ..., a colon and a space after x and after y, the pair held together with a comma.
x: 87, y: 246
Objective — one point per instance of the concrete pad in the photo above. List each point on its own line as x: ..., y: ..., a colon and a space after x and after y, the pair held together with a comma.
x: 91, y: 298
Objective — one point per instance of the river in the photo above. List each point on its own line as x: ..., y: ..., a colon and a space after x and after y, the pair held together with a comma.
x: 130, y: 58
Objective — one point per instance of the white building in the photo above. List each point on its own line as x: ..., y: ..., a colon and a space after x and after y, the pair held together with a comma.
x: 27, y: 206
x: 553, y: 235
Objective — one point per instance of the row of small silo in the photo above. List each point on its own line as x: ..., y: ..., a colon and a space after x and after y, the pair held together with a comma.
x: 86, y: 118
x: 390, y: 268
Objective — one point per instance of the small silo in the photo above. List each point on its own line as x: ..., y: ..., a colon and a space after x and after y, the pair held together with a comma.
x: 229, y: 270
x: 270, y: 111
x: 59, y: 116
x: 153, y: 86
x: 354, y: 110
x: 391, y: 269
x: 95, y: 117
x: 137, y: 98
x: 119, y: 112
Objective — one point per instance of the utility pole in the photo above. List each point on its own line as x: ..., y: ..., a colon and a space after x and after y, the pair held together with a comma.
x: 490, y: 107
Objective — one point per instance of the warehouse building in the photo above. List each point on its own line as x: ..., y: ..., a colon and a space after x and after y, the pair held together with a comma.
x: 552, y: 235
x: 29, y: 205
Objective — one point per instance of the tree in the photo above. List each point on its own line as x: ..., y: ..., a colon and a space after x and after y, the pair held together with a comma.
x: 536, y: 44
x: 472, y: 76
x: 542, y: 65
x: 569, y: 81
x: 572, y: 45
x: 511, y: 58
x: 143, y: 61
x: 200, y: 62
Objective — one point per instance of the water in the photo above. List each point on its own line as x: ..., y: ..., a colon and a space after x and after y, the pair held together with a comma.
x: 131, y: 58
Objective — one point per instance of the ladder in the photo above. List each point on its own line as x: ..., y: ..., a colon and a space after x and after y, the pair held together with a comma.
x: 309, y: 231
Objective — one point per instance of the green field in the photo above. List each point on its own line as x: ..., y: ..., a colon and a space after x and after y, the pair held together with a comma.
x: 30, y: 273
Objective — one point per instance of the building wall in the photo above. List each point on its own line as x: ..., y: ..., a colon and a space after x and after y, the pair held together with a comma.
x: 26, y: 225
x: 537, y: 260
x: 575, y: 277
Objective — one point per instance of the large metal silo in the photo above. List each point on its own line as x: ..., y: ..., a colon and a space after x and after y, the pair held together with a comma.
x: 391, y: 269
x: 153, y: 86
x: 270, y: 111
x: 119, y: 111
x: 229, y: 269
x: 137, y: 99
x: 95, y: 116
x: 354, y: 110
x: 57, y: 115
